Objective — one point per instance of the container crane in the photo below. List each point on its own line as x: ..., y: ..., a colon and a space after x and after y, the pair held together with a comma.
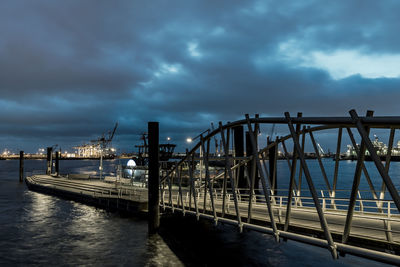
x: 103, y: 142
x: 320, y: 149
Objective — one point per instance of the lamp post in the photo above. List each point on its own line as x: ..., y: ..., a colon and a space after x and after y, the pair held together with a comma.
x: 190, y: 140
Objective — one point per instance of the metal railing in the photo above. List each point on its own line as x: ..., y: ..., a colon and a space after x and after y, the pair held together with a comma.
x: 196, y: 186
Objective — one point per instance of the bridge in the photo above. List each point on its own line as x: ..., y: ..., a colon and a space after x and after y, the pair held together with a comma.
x: 249, y: 189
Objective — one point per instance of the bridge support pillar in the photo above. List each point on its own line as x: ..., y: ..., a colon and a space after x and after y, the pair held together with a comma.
x: 49, y: 160
x: 154, y: 179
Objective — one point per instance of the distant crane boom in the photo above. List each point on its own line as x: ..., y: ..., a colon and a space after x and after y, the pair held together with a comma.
x: 320, y: 149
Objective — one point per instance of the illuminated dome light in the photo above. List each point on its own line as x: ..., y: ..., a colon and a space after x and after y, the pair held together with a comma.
x: 131, y: 163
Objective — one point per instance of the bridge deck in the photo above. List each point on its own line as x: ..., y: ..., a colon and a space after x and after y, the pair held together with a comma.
x: 367, y: 227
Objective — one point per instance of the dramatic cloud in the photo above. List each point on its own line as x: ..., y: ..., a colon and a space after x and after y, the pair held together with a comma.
x: 70, y: 69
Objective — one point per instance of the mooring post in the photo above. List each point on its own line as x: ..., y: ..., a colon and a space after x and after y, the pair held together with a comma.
x: 57, y: 169
x: 49, y: 160
x: 21, y: 166
x: 154, y: 178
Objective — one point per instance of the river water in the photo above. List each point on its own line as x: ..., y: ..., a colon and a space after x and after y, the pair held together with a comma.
x: 42, y: 230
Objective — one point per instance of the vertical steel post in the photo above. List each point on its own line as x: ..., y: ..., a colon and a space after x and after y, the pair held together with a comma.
x: 321, y: 165
x: 180, y: 188
x: 371, y: 185
x: 387, y: 163
x: 251, y: 170
x: 251, y: 165
x: 49, y: 160
x: 273, y: 155
x: 205, y: 158
x: 322, y: 219
x: 356, y: 183
x: 292, y: 176
x: 208, y: 181
x: 238, y: 135
x: 303, y: 141
x: 265, y: 185
x: 154, y: 178
x: 193, y: 187
x: 228, y: 164
x: 21, y: 166
x: 337, y: 158
x: 57, y: 167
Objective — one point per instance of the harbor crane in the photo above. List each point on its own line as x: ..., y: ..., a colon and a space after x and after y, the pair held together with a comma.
x: 103, y: 142
x: 320, y: 149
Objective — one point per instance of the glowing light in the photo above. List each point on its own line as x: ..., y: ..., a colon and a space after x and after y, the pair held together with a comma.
x: 189, y: 140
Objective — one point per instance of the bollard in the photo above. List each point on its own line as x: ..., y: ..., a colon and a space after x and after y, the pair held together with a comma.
x: 57, y: 167
x: 49, y: 160
x: 154, y: 179
x: 21, y: 166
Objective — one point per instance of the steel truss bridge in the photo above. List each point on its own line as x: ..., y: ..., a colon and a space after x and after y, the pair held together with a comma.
x: 242, y: 188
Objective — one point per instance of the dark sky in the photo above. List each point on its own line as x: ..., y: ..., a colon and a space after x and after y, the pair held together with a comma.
x: 70, y: 69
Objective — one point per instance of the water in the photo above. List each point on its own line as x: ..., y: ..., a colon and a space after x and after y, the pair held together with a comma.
x: 42, y: 230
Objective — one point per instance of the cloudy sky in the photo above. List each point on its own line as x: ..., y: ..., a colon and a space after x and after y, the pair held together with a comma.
x: 70, y: 69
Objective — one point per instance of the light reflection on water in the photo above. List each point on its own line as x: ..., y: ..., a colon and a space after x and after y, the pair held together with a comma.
x: 37, y: 229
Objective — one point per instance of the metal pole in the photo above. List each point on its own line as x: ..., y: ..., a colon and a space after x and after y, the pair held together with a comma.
x: 387, y: 163
x: 208, y: 181
x: 154, y: 178
x: 371, y: 186
x: 265, y: 185
x: 356, y: 183
x: 21, y: 166
x: 101, y: 162
x: 292, y: 177
x: 273, y: 155
x: 322, y: 219
x: 57, y: 169
x: 303, y: 142
x: 238, y: 135
x: 337, y: 158
x: 321, y: 165
x: 251, y: 170
x: 49, y: 164
x: 180, y: 188
x: 228, y: 164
